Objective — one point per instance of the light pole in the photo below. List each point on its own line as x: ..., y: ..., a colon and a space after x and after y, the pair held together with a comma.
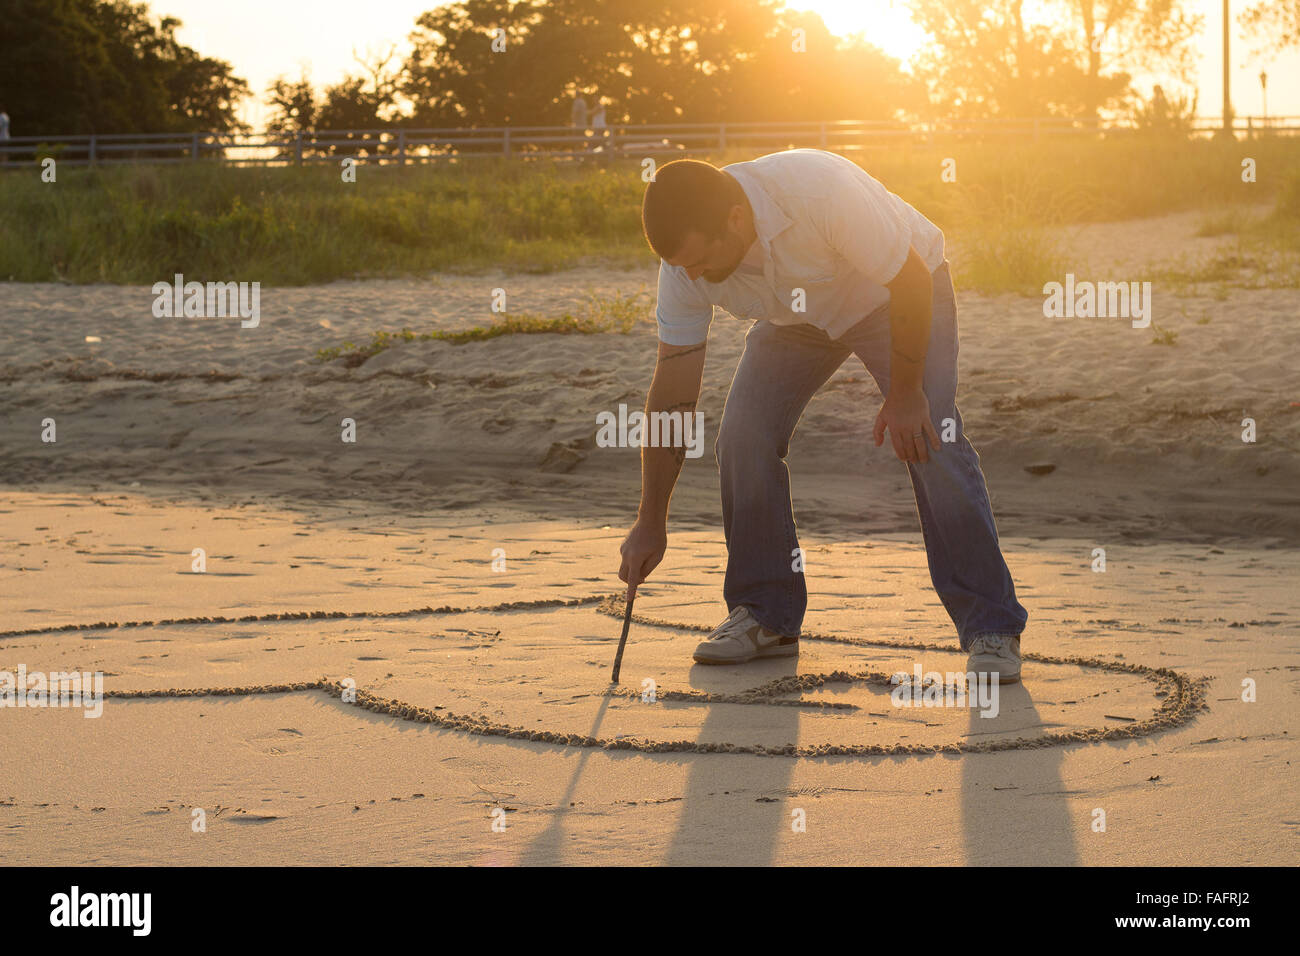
x: 1227, y: 101
x: 1263, y: 92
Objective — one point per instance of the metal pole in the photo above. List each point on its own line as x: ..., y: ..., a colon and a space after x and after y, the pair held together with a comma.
x: 1227, y: 100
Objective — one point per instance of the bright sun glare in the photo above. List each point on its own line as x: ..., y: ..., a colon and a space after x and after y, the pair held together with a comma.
x: 885, y: 23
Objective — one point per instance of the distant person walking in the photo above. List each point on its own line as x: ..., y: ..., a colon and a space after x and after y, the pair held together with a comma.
x: 1160, y: 113
x: 578, y: 113
x: 598, y: 127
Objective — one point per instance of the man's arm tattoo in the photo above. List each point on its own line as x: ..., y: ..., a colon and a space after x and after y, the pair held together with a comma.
x: 908, y: 358
x: 674, y: 355
x: 687, y: 409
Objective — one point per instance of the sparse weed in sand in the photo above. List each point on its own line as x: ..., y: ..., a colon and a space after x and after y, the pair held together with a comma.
x: 1266, y: 252
x: 601, y: 313
x: 1163, y: 336
x: 1247, y: 263
x: 1222, y: 222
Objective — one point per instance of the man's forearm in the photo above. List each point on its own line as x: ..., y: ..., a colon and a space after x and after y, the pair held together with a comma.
x: 660, y: 467
x: 909, y: 338
x: 675, y: 388
x: 910, y: 305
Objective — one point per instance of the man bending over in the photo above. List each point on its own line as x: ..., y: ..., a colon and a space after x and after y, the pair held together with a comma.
x: 827, y: 263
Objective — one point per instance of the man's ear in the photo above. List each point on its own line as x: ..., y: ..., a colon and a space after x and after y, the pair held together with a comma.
x: 736, y: 219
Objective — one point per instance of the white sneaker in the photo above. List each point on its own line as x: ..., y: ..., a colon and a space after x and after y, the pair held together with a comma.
x: 996, y: 654
x: 740, y: 639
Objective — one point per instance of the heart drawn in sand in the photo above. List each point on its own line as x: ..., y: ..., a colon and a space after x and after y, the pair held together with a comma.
x: 1180, y: 697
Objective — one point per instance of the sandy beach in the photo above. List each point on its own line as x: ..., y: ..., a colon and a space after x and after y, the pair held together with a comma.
x: 487, y: 732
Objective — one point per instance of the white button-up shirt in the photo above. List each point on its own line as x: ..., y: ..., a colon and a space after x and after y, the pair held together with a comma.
x: 830, y: 237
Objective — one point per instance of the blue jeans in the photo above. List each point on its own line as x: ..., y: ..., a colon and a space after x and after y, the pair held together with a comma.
x: 781, y: 369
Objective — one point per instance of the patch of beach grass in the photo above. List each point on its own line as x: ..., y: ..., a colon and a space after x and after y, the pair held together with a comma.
x: 600, y: 314
x: 1160, y: 336
x: 1266, y: 252
x: 1224, y: 222
x: 1018, y: 258
x: 1253, y: 263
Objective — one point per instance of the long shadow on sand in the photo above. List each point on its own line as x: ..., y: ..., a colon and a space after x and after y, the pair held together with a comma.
x: 1013, y: 803
x: 711, y: 828
x: 548, y: 848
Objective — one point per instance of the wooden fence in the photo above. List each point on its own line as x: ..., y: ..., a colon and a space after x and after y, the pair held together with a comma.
x: 401, y: 146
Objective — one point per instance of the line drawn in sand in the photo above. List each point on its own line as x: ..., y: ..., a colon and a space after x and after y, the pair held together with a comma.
x: 1181, y: 697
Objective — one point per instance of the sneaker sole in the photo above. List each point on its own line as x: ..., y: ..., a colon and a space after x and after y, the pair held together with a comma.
x: 776, y: 650
x: 1002, y: 677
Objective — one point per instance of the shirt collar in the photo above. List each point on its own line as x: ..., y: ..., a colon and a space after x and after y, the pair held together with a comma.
x: 769, y: 219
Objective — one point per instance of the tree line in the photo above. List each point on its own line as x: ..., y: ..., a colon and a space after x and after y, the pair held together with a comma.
x: 110, y: 66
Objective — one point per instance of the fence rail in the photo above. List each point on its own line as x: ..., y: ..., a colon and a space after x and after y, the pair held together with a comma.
x: 402, y: 146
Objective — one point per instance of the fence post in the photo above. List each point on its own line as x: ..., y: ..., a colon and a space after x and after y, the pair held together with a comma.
x: 297, y: 152
x: 722, y: 136
x: 505, y: 142
x: 194, y: 147
x: 401, y: 147
x: 92, y: 149
x: 1035, y: 129
x: 823, y: 135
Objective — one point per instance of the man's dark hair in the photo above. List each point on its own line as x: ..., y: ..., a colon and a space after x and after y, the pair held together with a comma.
x: 687, y: 196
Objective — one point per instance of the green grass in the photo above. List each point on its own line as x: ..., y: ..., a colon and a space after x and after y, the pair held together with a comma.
x: 1008, y: 257
x: 602, y: 314
x: 300, y: 226
x: 294, y: 226
x: 1266, y: 250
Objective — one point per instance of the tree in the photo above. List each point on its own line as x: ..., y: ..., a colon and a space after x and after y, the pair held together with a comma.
x: 985, y: 60
x: 363, y: 102
x: 454, y: 78
x: 1273, y: 24
x: 106, y: 66
x: 293, y: 105
x: 1075, y: 60
x: 354, y: 103
x: 649, y: 61
x: 1153, y: 34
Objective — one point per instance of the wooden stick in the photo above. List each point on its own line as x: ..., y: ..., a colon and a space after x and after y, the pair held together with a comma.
x: 627, y: 624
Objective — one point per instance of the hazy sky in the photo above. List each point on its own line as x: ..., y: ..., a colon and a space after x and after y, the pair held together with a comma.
x: 267, y: 38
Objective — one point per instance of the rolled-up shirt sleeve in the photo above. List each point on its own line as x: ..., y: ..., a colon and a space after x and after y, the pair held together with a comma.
x: 861, y: 222
x: 682, y: 313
